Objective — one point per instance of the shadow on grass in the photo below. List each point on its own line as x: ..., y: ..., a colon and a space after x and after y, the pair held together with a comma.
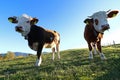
x: 26, y: 68
x: 14, y: 68
x: 113, y: 70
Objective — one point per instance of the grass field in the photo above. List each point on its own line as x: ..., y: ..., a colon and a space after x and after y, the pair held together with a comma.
x: 74, y: 65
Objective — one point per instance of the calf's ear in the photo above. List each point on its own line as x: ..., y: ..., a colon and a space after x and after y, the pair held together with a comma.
x: 12, y: 19
x: 88, y: 21
x: 112, y: 14
x: 34, y: 21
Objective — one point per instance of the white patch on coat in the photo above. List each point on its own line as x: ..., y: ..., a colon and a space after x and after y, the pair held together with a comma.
x: 90, y: 55
x: 94, y: 47
x: 46, y: 45
x: 101, y: 16
x: 38, y: 62
x: 49, y: 45
x: 34, y: 46
x: 102, y: 56
x: 24, y: 22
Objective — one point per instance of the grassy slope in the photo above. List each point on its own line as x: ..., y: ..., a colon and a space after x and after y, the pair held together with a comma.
x: 74, y: 65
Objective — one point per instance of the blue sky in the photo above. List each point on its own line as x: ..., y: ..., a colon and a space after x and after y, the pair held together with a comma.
x: 64, y: 16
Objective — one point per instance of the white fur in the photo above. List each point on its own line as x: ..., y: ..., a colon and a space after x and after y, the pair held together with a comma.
x: 51, y: 45
x: 53, y: 55
x: 94, y: 47
x: 90, y: 55
x: 34, y: 46
x: 95, y: 51
x: 101, y: 16
x: 23, y: 22
x: 38, y: 62
x: 59, y: 55
x: 102, y: 56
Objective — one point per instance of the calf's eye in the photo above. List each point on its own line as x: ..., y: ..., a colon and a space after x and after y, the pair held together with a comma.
x: 96, y: 21
x: 27, y: 21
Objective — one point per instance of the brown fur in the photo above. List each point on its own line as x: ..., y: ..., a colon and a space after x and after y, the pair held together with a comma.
x: 91, y: 35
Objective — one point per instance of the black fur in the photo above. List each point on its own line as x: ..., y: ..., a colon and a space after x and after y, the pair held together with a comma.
x: 40, y: 35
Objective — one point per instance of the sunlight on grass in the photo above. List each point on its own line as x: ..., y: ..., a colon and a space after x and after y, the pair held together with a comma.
x: 74, y: 65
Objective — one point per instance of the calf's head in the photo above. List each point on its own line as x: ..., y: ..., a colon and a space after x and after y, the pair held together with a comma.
x: 99, y: 20
x: 24, y: 23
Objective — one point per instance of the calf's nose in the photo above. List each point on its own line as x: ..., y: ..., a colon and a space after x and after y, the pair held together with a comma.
x: 19, y: 28
x: 105, y: 27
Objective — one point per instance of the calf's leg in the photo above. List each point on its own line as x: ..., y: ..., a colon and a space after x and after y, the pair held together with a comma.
x: 39, y: 59
x: 94, y: 47
x: 53, y: 53
x: 100, y: 50
x: 90, y: 49
x: 57, y: 49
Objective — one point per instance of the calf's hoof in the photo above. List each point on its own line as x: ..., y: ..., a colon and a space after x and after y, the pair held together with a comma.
x: 90, y: 57
x: 38, y: 62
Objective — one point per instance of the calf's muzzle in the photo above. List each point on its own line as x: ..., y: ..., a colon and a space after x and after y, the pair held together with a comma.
x: 19, y: 29
x: 105, y: 27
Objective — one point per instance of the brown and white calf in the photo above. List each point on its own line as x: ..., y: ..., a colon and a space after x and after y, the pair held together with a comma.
x: 94, y: 30
x: 37, y: 36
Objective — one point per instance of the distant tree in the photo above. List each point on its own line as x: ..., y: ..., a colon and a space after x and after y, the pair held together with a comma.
x: 19, y: 57
x: 10, y: 55
x: 1, y: 58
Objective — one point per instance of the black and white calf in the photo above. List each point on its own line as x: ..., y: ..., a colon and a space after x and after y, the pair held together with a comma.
x: 37, y: 37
